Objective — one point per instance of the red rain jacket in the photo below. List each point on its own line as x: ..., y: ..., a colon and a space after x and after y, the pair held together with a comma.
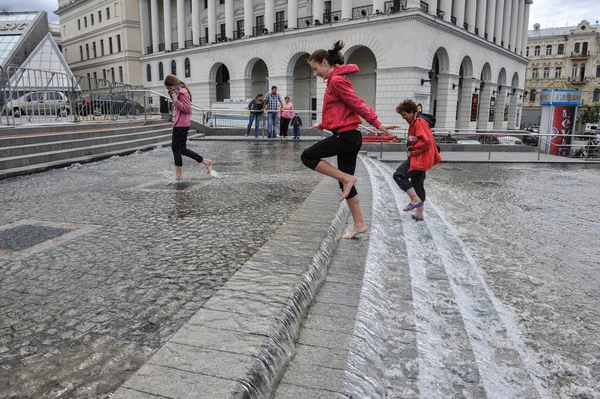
x: 421, y: 144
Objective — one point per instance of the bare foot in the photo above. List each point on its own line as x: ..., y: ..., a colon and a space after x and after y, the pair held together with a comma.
x: 208, y: 165
x: 348, y: 186
x: 177, y: 178
x: 356, y: 231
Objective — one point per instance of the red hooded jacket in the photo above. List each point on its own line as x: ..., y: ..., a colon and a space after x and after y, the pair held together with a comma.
x: 421, y: 144
x: 341, y: 106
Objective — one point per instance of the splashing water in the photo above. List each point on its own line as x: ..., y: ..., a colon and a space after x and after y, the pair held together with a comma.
x: 213, y: 173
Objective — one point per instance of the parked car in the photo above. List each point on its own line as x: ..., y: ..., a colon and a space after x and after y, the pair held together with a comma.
x: 50, y: 102
x: 532, y: 138
x: 503, y: 140
x: 376, y: 136
x: 533, y: 129
x: 590, y: 129
x: 98, y: 104
x: 444, y: 138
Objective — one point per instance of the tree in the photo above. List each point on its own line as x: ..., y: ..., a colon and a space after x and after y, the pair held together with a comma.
x: 4, y: 8
x: 589, y: 115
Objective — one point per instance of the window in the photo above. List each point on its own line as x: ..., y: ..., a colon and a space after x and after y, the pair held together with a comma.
x: 577, y: 47
x: 110, y: 46
x: 596, y: 97
x: 161, y: 74
x: 537, y: 51
x: 557, y: 72
x: 101, y: 47
x: 85, y: 22
x: 584, y: 48
x: 534, y: 73
x: 532, y: 94
x: 240, y: 28
x: 173, y: 67
x: 260, y: 22
x: 81, y: 53
x: 574, y: 72
x: 561, y: 49
x: 527, y: 52
x: 118, y: 43
x: 549, y: 49
x: 221, y: 1
x: 95, y: 76
x: 112, y: 74
x: 223, y: 31
x: 94, y: 49
x: 78, y: 24
x: 120, y: 74
x: 116, y: 9
x: 104, y: 74
x: 546, y: 73
x: 92, y: 19
x: 89, y: 76
x: 107, y: 12
x: 206, y: 34
x: 87, y: 51
x: 279, y: 21
x: 205, y: 4
x: 598, y: 71
x: 187, y: 69
x: 99, y: 16
x: 148, y: 73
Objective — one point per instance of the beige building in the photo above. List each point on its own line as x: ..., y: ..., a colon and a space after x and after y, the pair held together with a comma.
x: 101, y: 39
x: 567, y: 56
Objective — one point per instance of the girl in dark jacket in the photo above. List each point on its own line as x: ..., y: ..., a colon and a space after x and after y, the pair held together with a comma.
x: 342, y: 110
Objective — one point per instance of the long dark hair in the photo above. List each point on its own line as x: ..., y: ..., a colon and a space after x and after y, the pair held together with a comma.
x: 333, y: 56
x: 172, y: 80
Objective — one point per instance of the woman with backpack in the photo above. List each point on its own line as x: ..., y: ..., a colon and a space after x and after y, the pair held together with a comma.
x: 180, y: 94
x: 422, y: 154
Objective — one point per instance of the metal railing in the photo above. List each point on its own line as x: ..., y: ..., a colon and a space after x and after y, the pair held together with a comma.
x: 305, y: 22
x: 280, y: 26
x: 362, y: 12
x: 332, y: 16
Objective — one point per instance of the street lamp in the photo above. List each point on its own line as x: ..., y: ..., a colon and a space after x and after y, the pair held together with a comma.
x: 431, y: 75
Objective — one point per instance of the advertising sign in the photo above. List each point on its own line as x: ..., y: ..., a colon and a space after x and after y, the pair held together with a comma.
x: 492, y: 109
x: 563, y: 121
x: 474, y: 104
x: 506, y: 108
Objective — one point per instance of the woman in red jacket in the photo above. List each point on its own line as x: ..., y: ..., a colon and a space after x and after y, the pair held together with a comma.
x: 342, y: 110
x: 422, y: 154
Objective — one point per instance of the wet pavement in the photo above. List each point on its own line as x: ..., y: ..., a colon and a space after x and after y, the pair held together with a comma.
x: 80, y: 316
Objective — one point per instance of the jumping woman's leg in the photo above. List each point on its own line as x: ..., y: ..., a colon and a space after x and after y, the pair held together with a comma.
x: 197, y: 157
x: 328, y: 147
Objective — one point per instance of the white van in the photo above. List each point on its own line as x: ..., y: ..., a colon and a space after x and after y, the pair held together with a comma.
x: 591, y: 129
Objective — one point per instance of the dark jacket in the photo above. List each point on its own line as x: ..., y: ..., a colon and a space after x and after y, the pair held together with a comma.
x: 255, y: 106
x: 296, y: 121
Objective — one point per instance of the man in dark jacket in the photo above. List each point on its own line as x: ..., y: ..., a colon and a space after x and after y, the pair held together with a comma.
x: 256, y: 108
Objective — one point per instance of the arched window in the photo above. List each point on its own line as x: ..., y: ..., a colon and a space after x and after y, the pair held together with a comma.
x: 161, y: 73
x: 584, y: 48
x: 560, y: 49
x: 577, y: 47
x: 187, y: 68
x: 537, y: 50
x: 549, y: 49
x: 574, y: 72
x: 148, y: 73
x: 532, y: 94
x: 173, y: 68
x: 596, y: 95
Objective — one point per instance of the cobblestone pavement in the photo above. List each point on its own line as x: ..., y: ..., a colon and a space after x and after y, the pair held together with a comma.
x: 79, y: 316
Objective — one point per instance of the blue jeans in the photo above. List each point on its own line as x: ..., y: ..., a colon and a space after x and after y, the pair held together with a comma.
x: 272, y: 123
x: 296, y: 131
x: 253, y: 116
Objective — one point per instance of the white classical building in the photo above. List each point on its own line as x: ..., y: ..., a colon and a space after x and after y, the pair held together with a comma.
x: 463, y: 60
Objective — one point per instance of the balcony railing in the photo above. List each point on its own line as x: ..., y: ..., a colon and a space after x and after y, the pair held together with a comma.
x: 361, y: 12
x: 332, y: 16
x: 305, y: 22
x: 259, y: 30
x: 424, y: 6
x: 221, y: 37
x: 174, y: 46
x: 149, y: 50
x: 161, y: 47
x: 203, y: 41
x: 189, y: 44
x: 453, y: 20
x: 280, y: 26
x: 578, y: 81
x: 393, y: 6
x: 577, y: 54
x: 238, y: 34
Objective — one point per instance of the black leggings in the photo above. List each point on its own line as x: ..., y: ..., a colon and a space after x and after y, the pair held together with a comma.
x: 413, y: 179
x: 178, y: 145
x: 345, y: 145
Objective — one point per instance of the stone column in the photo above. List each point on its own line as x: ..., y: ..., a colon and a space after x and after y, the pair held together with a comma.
x: 229, y: 19
x: 431, y: 7
x: 499, y: 114
x: 506, y: 24
x: 471, y: 13
x: 512, y: 112
x: 248, y: 18
x: 196, y: 34
x: 446, y: 7
x: 514, y: 25
x: 485, y: 97
x: 525, y: 26
x: 458, y: 11
x: 481, y: 17
x: 521, y: 16
x: 499, y: 21
x: 490, y: 19
x: 181, y: 24
x: 466, y: 95
x: 446, y: 102
x: 167, y: 22
x: 237, y: 89
x: 144, y: 28
x: 346, y: 9
x: 155, y: 25
x: 270, y: 15
x: 212, y: 21
x: 292, y: 14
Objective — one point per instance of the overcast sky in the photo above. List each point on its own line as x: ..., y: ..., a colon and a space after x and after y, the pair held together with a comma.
x: 548, y: 13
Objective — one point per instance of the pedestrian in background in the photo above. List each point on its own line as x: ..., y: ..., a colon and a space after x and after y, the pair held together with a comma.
x: 181, y: 96
x: 256, y: 108
x: 273, y: 105
x: 422, y: 155
x: 296, y: 123
x: 287, y: 113
x: 342, y: 110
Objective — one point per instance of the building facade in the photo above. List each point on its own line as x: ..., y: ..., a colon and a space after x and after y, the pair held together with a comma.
x: 562, y: 57
x: 101, y: 39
